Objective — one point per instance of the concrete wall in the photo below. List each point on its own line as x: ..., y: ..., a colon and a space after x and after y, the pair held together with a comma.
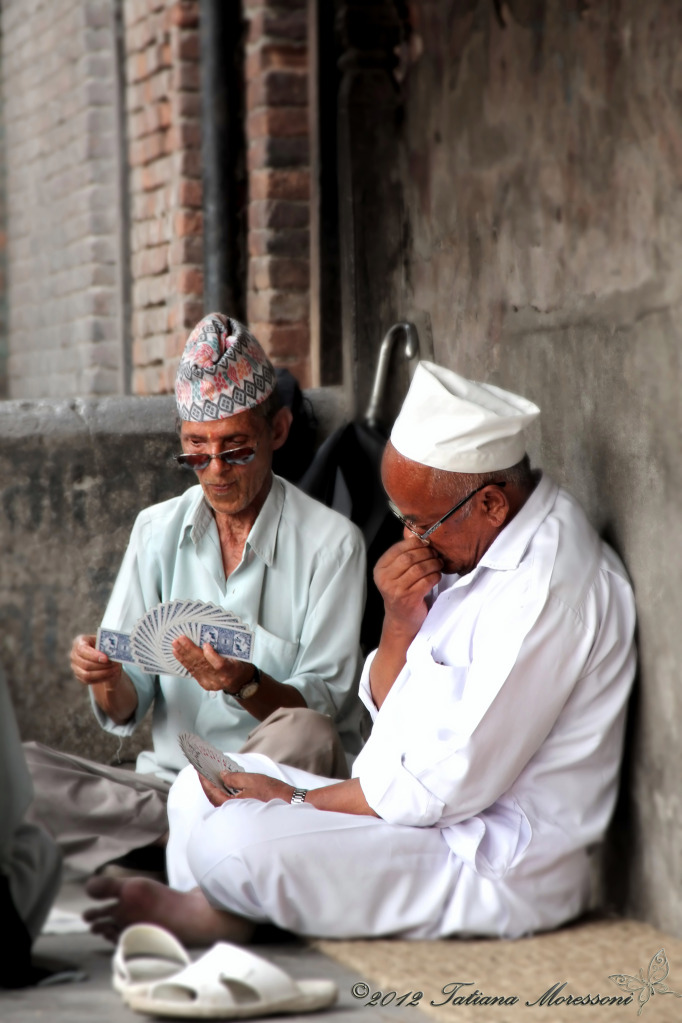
x: 73, y: 476
x: 60, y: 150
x: 541, y: 174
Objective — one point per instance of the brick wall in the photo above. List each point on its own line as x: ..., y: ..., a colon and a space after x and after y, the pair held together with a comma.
x: 69, y: 264
x: 278, y: 297
x: 58, y: 83
x: 164, y: 145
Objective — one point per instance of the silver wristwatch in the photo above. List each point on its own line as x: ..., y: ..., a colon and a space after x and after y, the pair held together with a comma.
x: 298, y: 795
x: 250, y: 687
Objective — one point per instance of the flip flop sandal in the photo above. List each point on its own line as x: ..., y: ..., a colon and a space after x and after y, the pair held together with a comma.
x: 229, y: 982
x: 146, y: 953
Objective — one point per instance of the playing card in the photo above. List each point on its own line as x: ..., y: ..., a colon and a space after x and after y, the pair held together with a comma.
x: 150, y: 643
x: 227, y: 642
x: 116, y: 645
x: 208, y: 760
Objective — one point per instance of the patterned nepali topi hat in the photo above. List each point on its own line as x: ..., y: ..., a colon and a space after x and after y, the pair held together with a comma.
x: 223, y: 371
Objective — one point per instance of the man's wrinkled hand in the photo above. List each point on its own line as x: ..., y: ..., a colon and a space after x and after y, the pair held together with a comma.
x: 404, y: 575
x: 250, y: 786
x: 91, y: 666
x: 210, y: 670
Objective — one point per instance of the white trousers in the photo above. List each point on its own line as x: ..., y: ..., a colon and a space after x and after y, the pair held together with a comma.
x: 316, y: 872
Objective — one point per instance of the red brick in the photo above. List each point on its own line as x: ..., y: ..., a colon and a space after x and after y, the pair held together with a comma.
x: 279, y: 121
x: 186, y: 76
x: 186, y: 104
x: 156, y: 174
x: 189, y: 249
x: 254, y: 5
x: 290, y: 26
x: 190, y: 194
x: 164, y: 109
x: 278, y: 153
x: 185, y: 45
x: 184, y: 314
x: 184, y: 15
x: 291, y: 339
x: 278, y: 213
x: 184, y: 135
x: 278, y: 88
x: 266, y: 272
x: 274, y: 55
x: 188, y: 223
x: 279, y: 184
x: 148, y: 380
x: 171, y: 367
x: 278, y: 306
x: 188, y: 281
x: 279, y: 243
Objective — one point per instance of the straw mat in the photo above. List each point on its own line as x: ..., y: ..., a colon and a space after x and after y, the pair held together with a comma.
x: 582, y: 955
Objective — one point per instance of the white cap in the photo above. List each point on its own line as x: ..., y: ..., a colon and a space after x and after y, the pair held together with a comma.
x: 449, y: 422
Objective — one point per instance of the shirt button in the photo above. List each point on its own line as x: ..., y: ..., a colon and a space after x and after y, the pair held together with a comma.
x: 213, y: 694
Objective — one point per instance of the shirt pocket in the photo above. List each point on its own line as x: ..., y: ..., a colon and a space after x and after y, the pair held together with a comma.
x: 274, y: 655
x: 431, y: 697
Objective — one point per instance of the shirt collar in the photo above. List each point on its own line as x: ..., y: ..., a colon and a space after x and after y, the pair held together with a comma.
x: 508, y: 549
x: 263, y: 533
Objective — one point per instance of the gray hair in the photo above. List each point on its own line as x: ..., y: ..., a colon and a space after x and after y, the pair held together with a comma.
x: 459, y: 484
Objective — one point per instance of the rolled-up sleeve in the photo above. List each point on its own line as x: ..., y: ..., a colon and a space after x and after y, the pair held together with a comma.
x: 452, y: 739
x: 136, y: 589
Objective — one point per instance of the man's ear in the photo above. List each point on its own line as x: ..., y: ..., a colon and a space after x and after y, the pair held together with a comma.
x: 281, y: 424
x: 496, y: 505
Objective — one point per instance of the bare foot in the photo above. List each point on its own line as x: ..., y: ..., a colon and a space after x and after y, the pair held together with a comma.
x: 188, y: 915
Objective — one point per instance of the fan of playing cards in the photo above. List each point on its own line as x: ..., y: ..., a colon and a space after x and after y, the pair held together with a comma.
x: 208, y: 760
x: 150, y: 644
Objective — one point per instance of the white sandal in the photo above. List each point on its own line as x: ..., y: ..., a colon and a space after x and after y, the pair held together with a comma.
x: 229, y: 982
x: 146, y: 953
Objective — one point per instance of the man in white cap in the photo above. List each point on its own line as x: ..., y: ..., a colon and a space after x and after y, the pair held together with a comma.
x: 498, y: 695
x: 290, y: 568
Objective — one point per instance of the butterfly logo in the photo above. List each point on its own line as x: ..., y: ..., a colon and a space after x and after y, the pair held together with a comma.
x: 653, y: 984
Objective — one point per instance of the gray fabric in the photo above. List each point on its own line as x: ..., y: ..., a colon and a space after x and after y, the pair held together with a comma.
x: 28, y: 857
x: 97, y: 813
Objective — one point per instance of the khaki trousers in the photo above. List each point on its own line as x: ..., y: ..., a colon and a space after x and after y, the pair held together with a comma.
x: 96, y: 813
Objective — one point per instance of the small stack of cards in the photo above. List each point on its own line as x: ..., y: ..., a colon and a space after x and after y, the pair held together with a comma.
x: 208, y: 760
x: 150, y: 644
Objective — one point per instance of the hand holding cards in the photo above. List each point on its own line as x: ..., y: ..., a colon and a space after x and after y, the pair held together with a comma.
x: 208, y: 760
x: 150, y: 644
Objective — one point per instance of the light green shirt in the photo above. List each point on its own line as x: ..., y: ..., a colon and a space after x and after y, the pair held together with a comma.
x: 300, y: 587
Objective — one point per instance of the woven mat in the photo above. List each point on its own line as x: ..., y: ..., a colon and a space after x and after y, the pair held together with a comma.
x: 582, y: 955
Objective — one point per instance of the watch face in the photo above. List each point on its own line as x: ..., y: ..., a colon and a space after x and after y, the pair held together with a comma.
x: 248, y: 690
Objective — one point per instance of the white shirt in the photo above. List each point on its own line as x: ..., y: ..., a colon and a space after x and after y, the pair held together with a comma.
x: 504, y: 728
x: 300, y: 587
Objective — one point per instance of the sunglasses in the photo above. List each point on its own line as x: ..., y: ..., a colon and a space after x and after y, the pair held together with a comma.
x: 424, y: 537
x: 200, y: 460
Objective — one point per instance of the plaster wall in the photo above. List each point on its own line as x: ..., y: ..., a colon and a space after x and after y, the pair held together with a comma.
x: 541, y: 172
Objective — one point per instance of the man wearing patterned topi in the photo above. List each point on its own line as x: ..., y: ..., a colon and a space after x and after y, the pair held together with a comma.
x: 290, y: 568
x: 498, y: 696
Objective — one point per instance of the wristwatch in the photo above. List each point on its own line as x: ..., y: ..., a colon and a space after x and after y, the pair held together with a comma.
x: 250, y: 687
x: 298, y: 796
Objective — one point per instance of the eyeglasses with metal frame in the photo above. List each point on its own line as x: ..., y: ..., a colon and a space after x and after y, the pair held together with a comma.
x: 201, y: 460
x: 424, y: 537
